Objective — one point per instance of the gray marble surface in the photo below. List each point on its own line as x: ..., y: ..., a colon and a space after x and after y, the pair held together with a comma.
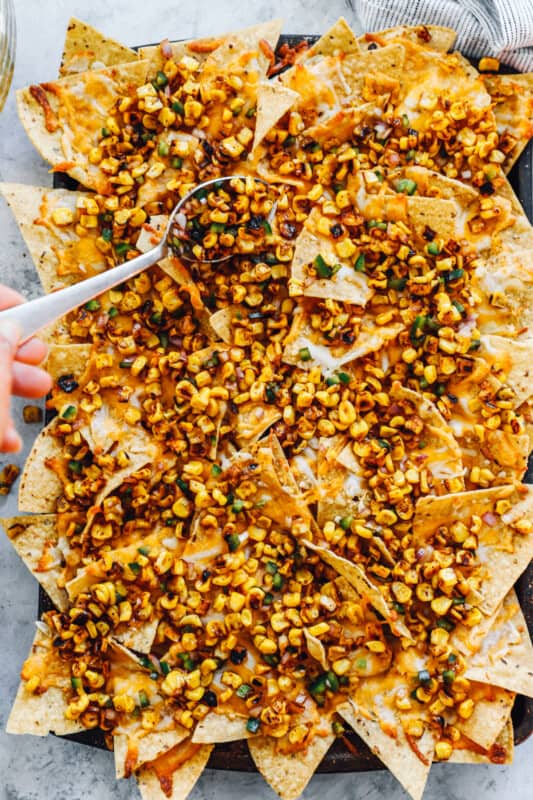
x: 42, y: 769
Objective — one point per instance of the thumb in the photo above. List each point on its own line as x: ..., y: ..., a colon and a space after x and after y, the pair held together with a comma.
x: 10, y: 333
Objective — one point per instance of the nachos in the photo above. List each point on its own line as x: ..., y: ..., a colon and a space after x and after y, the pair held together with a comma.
x: 280, y: 495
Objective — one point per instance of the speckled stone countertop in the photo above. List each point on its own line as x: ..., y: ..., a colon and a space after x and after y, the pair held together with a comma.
x: 52, y: 769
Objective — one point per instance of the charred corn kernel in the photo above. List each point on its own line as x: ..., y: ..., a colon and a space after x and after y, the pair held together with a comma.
x: 439, y: 637
x: 166, y: 117
x: 401, y: 592
x: 473, y: 618
x: 345, y: 248
x: 231, y: 147
x: 138, y: 217
x: 319, y: 629
x: 267, y: 646
x: 459, y: 532
x: 105, y: 593
x: 364, y: 532
x: 376, y: 646
x: 62, y: 216
x: 342, y: 199
x: 523, y: 526
x: 173, y: 684
x: 279, y: 622
x: 441, y: 605
x: 95, y: 155
x: 443, y: 750
x: 125, y: 611
x: 123, y: 702
x: 292, y: 599
x: 447, y: 579
x: 236, y: 601
x: 409, y: 355
x: 430, y: 373
x: 132, y: 415
x: 94, y: 679
x: 181, y: 508
x: 78, y: 706
x: 347, y: 413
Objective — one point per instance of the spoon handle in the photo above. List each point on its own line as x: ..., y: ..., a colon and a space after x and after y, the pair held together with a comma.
x: 36, y: 314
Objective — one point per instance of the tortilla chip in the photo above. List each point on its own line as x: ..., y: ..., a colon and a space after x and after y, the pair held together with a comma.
x: 347, y: 285
x: 341, y: 126
x: 40, y: 487
x: 384, y: 62
x: 139, y: 638
x: 201, y: 49
x: 371, y: 338
x: 437, y: 37
x: 316, y: 649
x: 35, y: 539
x: 341, y: 489
x: 61, y: 257
x: 273, y: 101
x: 151, y: 232
x: 367, y: 590
x: 288, y: 774
x: 180, y: 781
x: 433, y: 184
x: 512, y: 96
x: 505, y: 655
x: 254, y: 420
x: 489, y: 717
x: 503, y: 749
x: 506, y: 286
x: 228, y: 56
x: 393, y: 750
x: 86, y: 48
x: 339, y: 40
x: 215, y: 728
x: 511, y: 362
x: 93, y: 95
x: 40, y: 714
x: 67, y: 359
x: 504, y: 552
x: 442, y: 452
x: 131, y: 752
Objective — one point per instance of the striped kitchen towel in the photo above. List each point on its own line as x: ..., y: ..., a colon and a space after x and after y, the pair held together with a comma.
x: 499, y: 28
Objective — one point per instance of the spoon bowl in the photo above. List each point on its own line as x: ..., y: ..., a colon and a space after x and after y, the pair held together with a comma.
x: 34, y: 315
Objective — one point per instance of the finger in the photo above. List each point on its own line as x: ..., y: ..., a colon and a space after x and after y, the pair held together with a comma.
x: 30, y: 381
x: 12, y: 442
x: 9, y: 297
x: 9, y: 336
x: 32, y: 352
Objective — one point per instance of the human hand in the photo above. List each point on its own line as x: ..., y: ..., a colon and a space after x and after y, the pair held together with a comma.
x: 19, y: 373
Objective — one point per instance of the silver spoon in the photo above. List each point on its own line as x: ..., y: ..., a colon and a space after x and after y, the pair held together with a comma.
x: 34, y: 315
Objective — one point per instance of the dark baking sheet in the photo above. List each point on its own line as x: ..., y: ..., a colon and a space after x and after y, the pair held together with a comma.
x: 235, y: 755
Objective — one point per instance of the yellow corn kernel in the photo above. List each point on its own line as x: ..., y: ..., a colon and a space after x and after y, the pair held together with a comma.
x: 123, y: 702
x: 319, y: 629
x: 174, y: 683
x: 441, y: 605
x: 62, y: 216
x: 443, y: 750
x: 488, y: 64
x: 345, y: 248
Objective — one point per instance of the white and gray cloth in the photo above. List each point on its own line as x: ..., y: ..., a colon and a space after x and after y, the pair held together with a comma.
x: 499, y: 28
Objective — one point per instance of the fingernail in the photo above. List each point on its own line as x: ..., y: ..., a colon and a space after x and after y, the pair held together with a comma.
x: 10, y: 331
x: 12, y: 442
